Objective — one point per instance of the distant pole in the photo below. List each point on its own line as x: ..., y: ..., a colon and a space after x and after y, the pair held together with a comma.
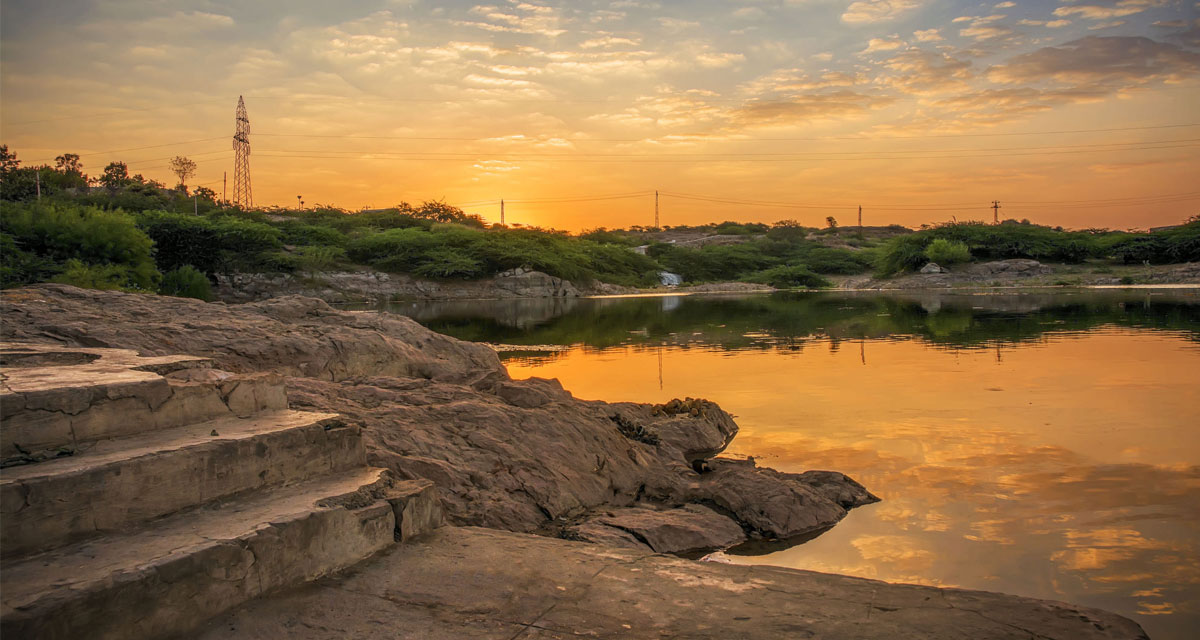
x: 860, y: 217
x: 196, y: 204
x: 502, y: 212
x: 38, y: 180
x: 995, y: 212
x: 299, y: 202
x: 656, y: 208
x: 224, y: 185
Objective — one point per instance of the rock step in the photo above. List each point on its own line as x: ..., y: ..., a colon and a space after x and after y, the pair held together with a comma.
x: 116, y: 484
x: 170, y: 576
x: 95, y: 394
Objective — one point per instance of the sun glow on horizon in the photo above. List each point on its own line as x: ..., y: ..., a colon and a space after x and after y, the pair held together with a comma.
x: 575, y: 114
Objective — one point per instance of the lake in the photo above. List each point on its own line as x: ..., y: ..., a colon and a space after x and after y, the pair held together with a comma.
x: 1045, y: 444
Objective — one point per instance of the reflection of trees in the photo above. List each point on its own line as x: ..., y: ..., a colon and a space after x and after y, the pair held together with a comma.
x: 785, y: 321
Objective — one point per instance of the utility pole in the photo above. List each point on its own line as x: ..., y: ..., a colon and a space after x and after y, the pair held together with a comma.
x: 196, y: 205
x: 38, y: 180
x: 224, y: 186
x: 995, y: 212
x: 656, y: 208
x: 860, y: 217
x: 502, y: 212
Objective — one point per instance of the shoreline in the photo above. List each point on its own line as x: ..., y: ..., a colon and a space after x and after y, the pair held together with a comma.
x: 519, y: 456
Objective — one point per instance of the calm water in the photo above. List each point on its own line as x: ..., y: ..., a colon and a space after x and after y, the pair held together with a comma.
x: 1043, y: 444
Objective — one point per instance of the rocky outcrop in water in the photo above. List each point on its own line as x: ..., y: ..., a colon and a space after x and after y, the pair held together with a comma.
x: 521, y: 455
x: 378, y: 286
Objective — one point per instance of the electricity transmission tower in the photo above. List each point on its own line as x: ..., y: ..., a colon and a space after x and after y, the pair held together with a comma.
x: 241, y: 163
x: 995, y: 212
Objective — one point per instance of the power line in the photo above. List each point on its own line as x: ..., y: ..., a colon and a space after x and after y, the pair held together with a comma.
x: 1090, y: 147
x: 1148, y: 199
x: 708, y: 137
x: 675, y: 158
x: 113, y: 114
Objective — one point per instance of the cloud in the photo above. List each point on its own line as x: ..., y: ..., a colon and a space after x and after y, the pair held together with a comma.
x: 928, y: 35
x: 870, y: 11
x: 1114, y: 61
x: 1052, y: 24
x: 1097, y: 12
x: 803, y: 108
x: 918, y: 71
x: 984, y: 27
x: 883, y: 44
x: 607, y: 41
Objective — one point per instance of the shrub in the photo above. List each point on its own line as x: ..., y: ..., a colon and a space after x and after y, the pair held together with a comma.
x: 222, y: 244
x: 841, y: 261
x: 186, y: 282
x: 902, y: 253
x: 49, y: 236
x: 946, y: 252
x: 788, y: 277
x: 88, y: 276
x: 447, y: 262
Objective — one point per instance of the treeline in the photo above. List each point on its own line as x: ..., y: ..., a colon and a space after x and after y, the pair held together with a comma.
x: 57, y: 224
x: 953, y: 243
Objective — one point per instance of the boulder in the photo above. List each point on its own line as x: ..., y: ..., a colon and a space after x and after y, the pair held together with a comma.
x: 1016, y: 267
x: 779, y: 505
x: 934, y: 267
x: 688, y: 528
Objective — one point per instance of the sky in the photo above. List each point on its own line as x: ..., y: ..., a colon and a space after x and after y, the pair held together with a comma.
x: 1078, y: 113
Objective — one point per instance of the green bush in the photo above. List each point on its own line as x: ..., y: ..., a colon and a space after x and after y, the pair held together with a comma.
x: 447, y: 262
x: 50, y: 235
x: 946, y: 252
x: 314, y: 259
x: 790, y: 277
x: 99, y: 276
x: 222, y: 244
x: 186, y: 282
x: 836, y: 261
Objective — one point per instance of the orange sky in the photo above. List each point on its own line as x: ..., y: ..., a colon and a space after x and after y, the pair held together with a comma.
x: 920, y: 110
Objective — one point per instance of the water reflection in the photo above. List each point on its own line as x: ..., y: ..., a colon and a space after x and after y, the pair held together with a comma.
x: 1040, y: 444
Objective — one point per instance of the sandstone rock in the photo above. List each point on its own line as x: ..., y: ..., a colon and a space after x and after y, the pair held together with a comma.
x: 688, y: 528
x: 367, y: 285
x: 597, y: 533
x: 779, y: 505
x: 1018, y: 267
x: 511, y: 454
x: 933, y: 267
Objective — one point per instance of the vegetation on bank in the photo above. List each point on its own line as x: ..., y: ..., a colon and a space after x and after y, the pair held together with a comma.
x: 954, y: 243
x: 118, y: 231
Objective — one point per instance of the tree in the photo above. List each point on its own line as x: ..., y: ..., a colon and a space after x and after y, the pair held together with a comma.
x: 115, y: 176
x: 184, y: 168
x: 204, y: 193
x: 8, y: 160
x: 69, y: 163
x: 831, y: 222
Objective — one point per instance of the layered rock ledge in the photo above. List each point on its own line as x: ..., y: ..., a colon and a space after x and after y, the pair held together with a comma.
x: 478, y: 583
x: 519, y: 455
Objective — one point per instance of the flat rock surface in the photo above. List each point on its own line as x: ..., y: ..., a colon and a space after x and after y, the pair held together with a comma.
x: 477, y: 583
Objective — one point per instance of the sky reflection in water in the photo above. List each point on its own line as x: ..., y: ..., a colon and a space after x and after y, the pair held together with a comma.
x: 1039, y: 444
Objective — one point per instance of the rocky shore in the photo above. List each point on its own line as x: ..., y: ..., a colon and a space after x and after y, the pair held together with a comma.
x: 522, y: 456
x: 608, y: 488
x: 377, y: 287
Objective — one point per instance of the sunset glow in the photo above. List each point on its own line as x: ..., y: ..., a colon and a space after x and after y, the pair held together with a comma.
x: 1080, y: 114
